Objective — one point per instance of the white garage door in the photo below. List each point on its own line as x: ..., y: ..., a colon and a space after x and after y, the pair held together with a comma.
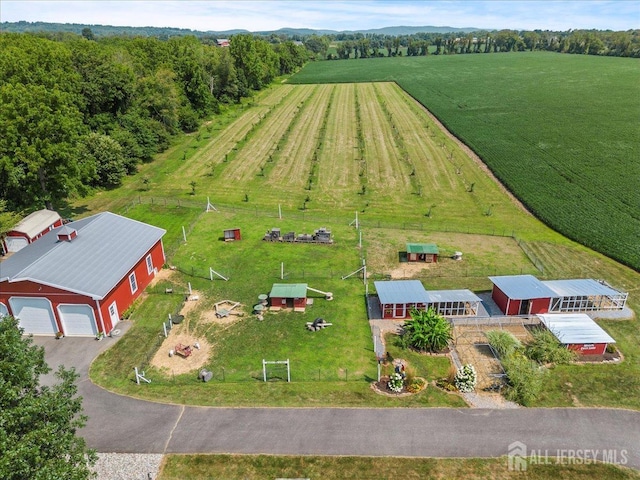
x: 16, y: 243
x: 78, y: 320
x: 35, y: 315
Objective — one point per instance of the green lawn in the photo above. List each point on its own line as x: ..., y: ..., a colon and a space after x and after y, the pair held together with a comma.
x: 249, y: 467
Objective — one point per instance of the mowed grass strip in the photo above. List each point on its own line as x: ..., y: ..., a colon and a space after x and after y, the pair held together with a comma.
x: 385, y: 171
x: 254, y: 467
x: 293, y: 162
x: 246, y: 163
x: 428, y: 156
x: 339, y: 162
x: 203, y: 161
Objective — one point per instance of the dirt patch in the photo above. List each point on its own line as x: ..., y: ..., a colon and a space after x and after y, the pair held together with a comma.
x: 471, y: 345
x: 178, y: 364
x: 382, y: 388
x: 163, y: 274
x: 191, y: 303
x: 409, y: 270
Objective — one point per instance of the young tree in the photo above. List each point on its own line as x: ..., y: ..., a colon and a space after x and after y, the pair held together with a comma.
x: 38, y: 424
x: 427, y: 330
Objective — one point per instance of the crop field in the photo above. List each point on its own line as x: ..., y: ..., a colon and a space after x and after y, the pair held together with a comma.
x: 560, y: 131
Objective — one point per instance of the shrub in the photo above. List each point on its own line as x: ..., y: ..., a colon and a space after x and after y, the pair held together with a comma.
x: 445, y: 384
x: 415, y: 385
x: 427, y: 331
x: 545, y: 348
x: 524, y: 378
x: 466, y: 378
x: 396, y: 382
x: 503, y: 342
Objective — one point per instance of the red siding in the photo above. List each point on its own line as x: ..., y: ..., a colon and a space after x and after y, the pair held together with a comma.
x: 55, y: 295
x: 500, y: 298
x: 588, y: 348
x: 540, y: 305
x: 122, y: 295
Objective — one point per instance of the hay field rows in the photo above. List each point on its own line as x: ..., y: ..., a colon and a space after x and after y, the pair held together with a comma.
x: 366, y: 147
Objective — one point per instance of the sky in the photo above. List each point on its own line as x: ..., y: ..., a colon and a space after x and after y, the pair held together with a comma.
x: 220, y: 15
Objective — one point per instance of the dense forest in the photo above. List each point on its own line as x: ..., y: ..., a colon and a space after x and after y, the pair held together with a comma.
x: 79, y: 113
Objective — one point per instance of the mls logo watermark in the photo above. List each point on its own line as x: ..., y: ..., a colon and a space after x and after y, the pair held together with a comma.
x: 519, y: 457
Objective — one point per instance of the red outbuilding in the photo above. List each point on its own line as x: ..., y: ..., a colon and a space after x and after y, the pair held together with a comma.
x: 578, y: 332
x: 521, y: 294
x: 31, y: 228
x: 288, y: 295
x: 232, y: 234
x: 81, y: 277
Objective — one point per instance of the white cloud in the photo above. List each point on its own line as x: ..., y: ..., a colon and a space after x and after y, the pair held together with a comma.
x: 331, y: 15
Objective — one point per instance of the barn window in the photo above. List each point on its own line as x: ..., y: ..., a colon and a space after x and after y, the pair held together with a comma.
x: 133, y: 283
x: 149, y: 264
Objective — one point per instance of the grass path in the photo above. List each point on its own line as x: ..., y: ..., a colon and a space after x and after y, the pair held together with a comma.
x: 204, y: 159
x: 385, y: 170
x: 294, y: 159
x: 338, y: 166
x: 246, y: 163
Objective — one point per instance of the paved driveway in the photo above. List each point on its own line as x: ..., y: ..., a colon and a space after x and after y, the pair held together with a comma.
x: 122, y: 424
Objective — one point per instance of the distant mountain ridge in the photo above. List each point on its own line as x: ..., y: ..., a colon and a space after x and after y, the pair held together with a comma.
x: 111, y: 30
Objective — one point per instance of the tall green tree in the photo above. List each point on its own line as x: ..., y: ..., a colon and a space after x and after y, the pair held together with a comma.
x: 38, y: 424
x: 39, y: 131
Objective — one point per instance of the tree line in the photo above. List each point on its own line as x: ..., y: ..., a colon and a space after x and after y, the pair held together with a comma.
x: 590, y: 42
x: 79, y: 113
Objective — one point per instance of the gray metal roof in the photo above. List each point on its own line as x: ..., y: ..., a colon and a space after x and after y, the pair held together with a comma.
x: 439, y: 296
x: 36, y: 222
x: 401, y: 291
x: 106, y: 248
x: 522, y: 287
x: 575, y: 328
x: 580, y: 288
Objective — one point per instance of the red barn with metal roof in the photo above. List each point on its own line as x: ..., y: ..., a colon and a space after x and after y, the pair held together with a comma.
x: 80, y: 278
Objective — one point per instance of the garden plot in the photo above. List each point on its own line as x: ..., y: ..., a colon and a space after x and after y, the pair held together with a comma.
x: 471, y: 345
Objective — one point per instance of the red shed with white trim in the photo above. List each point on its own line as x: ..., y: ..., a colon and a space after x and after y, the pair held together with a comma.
x: 578, y: 332
x: 31, y: 228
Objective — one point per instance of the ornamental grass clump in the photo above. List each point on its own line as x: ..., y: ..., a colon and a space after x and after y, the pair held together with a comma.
x: 545, y: 348
x: 396, y: 382
x: 503, y: 342
x: 466, y: 378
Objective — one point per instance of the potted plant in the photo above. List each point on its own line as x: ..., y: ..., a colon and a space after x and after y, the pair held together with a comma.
x: 59, y: 335
x: 99, y: 336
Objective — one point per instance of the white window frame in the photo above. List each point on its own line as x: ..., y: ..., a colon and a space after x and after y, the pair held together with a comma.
x: 149, y: 262
x: 133, y: 282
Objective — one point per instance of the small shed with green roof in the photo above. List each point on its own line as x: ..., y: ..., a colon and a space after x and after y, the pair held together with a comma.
x: 288, y: 295
x: 422, y: 252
